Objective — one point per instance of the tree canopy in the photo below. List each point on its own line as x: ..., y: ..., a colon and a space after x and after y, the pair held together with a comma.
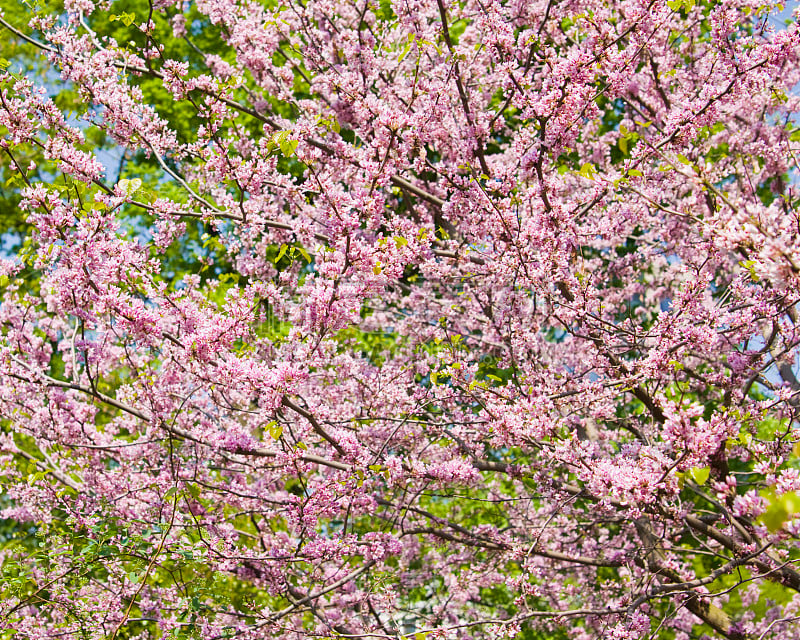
x: 399, y: 319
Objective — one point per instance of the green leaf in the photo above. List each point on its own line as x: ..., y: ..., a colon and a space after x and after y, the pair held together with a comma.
x: 281, y: 253
x: 275, y: 430
x: 125, y: 18
x: 288, y: 147
x: 792, y: 502
x: 130, y: 186
x: 699, y: 474
x: 775, y: 516
x: 404, y: 53
x: 634, y: 172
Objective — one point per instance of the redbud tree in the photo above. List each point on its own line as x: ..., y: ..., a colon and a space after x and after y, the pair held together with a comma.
x: 399, y: 319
